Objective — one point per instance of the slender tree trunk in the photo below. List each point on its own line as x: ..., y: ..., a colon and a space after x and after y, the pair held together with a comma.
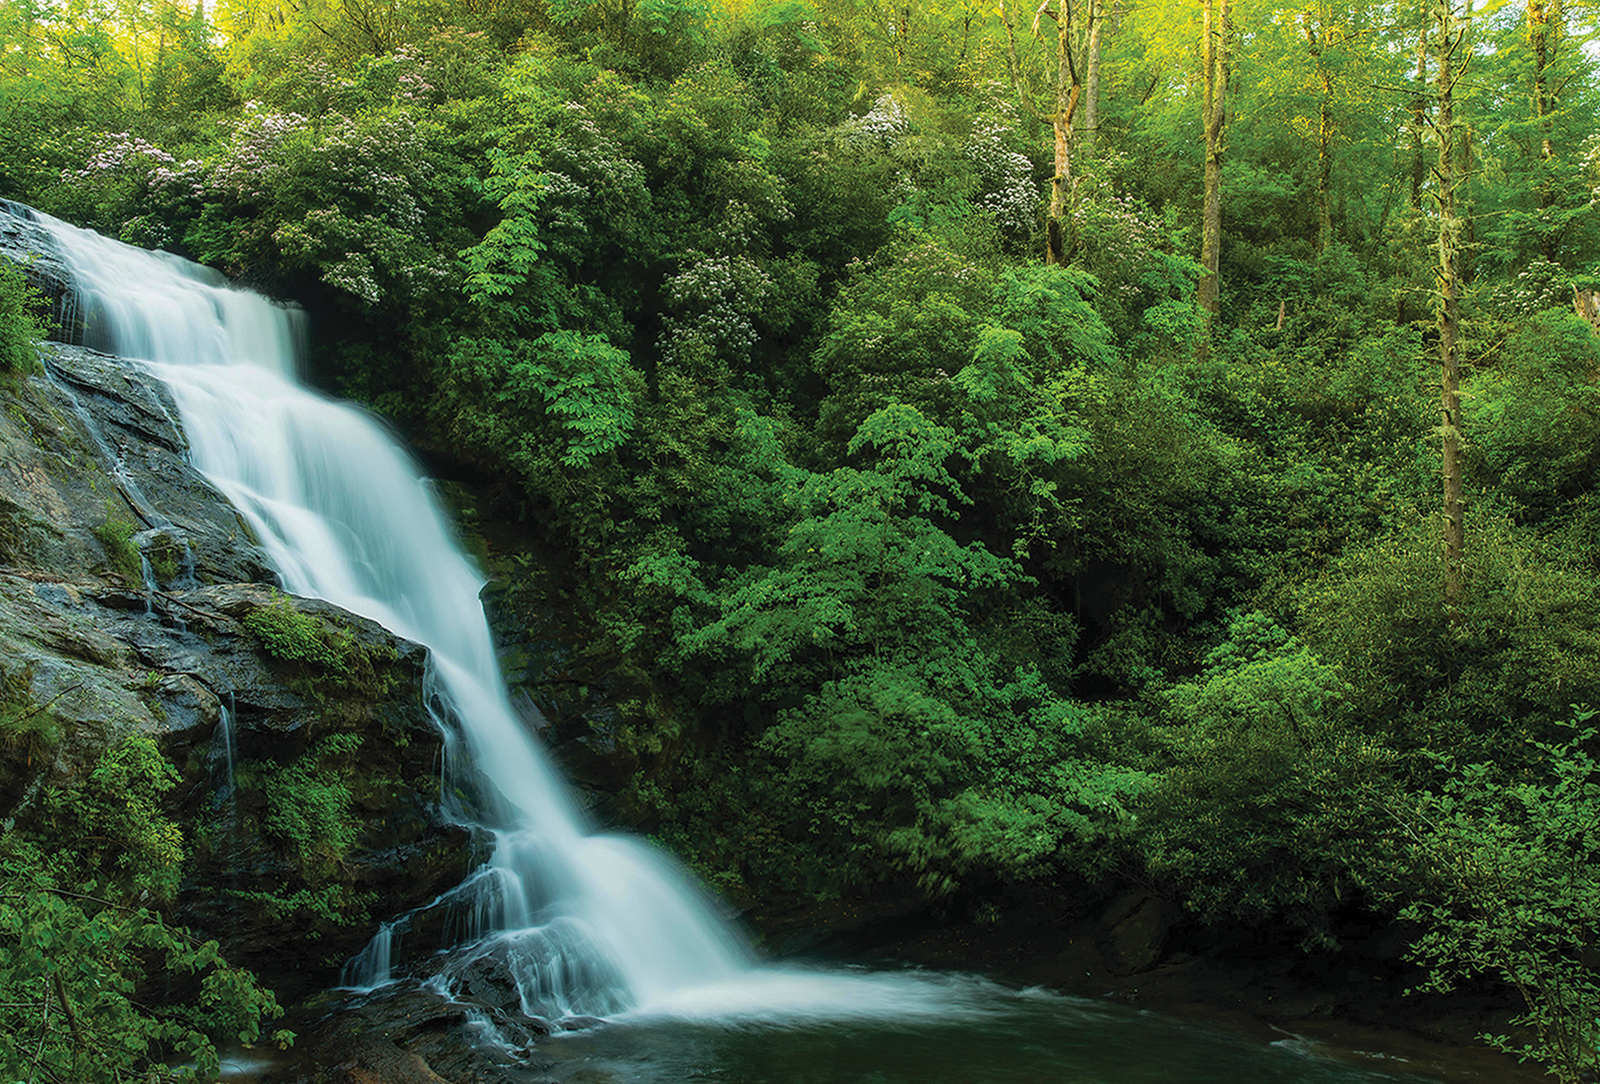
x: 1091, y: 77
x: 1543, y: 25
x: 1452, y: 61
x: 1419, y: 119
x: 1214, y: 28
x: 1317, y: 40
x: 1068, y: 91
x: 1060, y: 188
x: 1541, y: 14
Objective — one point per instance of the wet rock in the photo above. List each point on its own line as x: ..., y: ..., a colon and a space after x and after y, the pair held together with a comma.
x: 131, y: 421
x: 1133, y: 930
x: 93, y: 475
x: 406, y: 1028
x: 26, y: 244
x: 296, y: 853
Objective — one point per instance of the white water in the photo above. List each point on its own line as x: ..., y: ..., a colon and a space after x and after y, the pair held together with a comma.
x: 589, y: 923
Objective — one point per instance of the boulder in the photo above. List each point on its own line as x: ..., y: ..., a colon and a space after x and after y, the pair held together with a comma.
x: 1133, y: 931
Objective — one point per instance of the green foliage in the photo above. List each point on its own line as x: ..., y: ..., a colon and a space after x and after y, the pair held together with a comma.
x: 116, y: 538
x: 293, y: 636
x: 571, y: 395
x: 899, y: 332
x: 308, y: 803
x: 20, y: 328
x: 99, y: 987
x: 1525, y: 643
x: 1534, y: 416
x: 881, y: 772
x: 1260, y: 814
x: 1512, y: 892
x: 113, y: 823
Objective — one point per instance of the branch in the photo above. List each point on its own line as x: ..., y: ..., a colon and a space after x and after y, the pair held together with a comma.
x: 72, y: 1017
x: 1013, y: 69
x: 44, y: 1028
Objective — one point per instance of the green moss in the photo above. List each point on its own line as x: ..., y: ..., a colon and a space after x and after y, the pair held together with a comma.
x: 116, y: 538
x: 334, y: 671
x: 335, y: 904
x: 164, y: 556
x: 292, y: 636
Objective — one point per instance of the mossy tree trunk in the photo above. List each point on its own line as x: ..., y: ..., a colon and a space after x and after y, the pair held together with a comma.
x: 1452, y: 56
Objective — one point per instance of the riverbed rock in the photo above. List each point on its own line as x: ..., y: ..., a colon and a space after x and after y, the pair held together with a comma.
x: 133, y: 599
x: 1133, y: 931
x: 406, y: 1028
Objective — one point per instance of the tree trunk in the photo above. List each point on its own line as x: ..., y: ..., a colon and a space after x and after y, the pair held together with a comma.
x: 1317, y: 41
x: 1540, y: 16
x: 1543, y: 25
x: 1452, y: 63
x: 1419, y: 119
x: 1214, y: 28
x: 1091, y: 77
x: 1060, y: 185
x: 1068, y: 90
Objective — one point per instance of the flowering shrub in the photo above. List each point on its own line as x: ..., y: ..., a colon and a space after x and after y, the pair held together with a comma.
x: 341, y: 196
x: 714, y: 301
x: 1005, y: 177
x: 133, y: 189
x: 1540, y: 285
x: 880, y: 128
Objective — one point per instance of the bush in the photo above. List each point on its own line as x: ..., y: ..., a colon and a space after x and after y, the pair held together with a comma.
x: 1261, y: 814
x: 1523, y: 645
x: 20, y: 327
x: 1511, y: 867
x: 98, y: 987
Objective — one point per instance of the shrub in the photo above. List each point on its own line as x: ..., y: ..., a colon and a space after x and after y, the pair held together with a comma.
x: 1510, y: 867
x: 20, y: 328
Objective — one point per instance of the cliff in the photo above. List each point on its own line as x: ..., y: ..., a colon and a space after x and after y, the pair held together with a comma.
x: 133, y: 599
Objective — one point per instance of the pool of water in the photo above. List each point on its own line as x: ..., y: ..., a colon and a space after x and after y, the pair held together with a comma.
x: 1009, y: 1037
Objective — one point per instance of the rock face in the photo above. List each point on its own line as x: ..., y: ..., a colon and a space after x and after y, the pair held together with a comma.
x: 1133, y: 931
x: 133, y: 599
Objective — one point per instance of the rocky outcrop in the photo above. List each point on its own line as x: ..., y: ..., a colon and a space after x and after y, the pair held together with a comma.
x: 133, y: 599
x: 25, y: 243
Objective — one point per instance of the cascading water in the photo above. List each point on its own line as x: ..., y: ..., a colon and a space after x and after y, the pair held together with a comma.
x: 590, y: 924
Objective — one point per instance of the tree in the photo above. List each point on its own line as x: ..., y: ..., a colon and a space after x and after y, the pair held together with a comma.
x: 1214, y: 37
x: 1452, y: 54
x: 1062, y: 95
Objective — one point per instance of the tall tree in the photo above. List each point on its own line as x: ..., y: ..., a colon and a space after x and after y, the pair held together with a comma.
x: 1057, y: 102
x: 1326, y: 36
x: 1452, y: 55
x: 1214, y: 46
x: 1091, y: 75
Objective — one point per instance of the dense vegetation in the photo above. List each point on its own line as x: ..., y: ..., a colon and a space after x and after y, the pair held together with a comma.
x: 943, y: 519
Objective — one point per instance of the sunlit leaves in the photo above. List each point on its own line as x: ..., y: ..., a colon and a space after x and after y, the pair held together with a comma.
x: 504, y: 258
x: 575, y: 389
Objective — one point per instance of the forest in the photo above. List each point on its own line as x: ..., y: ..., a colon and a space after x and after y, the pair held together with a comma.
x: 991, y: 450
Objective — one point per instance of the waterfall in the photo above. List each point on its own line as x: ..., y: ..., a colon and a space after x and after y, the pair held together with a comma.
x: 589, y: 923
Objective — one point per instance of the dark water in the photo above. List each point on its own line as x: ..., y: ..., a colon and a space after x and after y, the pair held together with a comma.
x: 1021, y: 1038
